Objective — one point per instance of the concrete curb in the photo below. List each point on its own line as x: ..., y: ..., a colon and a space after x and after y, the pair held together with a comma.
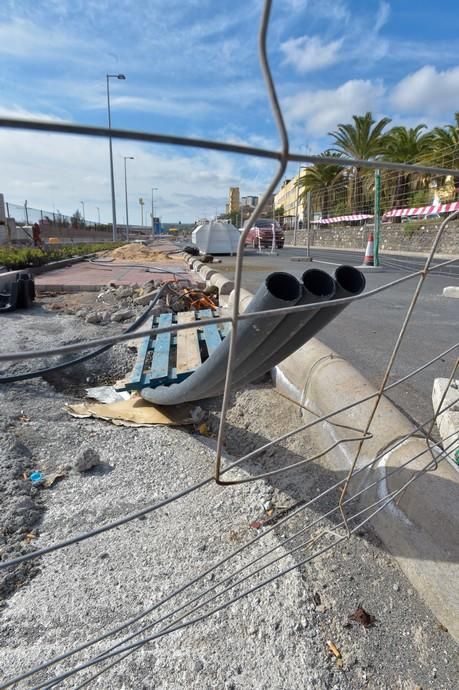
x: 420, y: 530
x: 370, y: 269
x: 38, y: 270
x: 448, y: 423
x: 451, y: 291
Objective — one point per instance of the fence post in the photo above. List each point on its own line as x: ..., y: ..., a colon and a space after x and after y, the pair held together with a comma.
x: 308, y: 223
x: 377, y: 213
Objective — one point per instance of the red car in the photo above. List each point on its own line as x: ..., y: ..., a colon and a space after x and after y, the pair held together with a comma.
x: 265, y: 233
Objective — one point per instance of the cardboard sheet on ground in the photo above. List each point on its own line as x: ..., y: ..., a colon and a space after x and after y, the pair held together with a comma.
x: 133, y: 412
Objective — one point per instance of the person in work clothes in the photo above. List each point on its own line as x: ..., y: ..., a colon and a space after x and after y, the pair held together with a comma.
x: 36, y: 235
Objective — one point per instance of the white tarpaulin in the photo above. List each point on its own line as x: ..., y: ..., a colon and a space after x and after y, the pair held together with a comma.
x: 215, y: 237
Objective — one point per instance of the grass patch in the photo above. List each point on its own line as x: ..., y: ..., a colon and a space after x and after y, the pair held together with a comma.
x: 412, y: 227
x: 26, y: 257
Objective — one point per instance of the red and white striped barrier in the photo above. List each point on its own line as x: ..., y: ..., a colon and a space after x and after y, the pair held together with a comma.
x: 394, y: 213
x: 343, y: 219
x: 422, y: 210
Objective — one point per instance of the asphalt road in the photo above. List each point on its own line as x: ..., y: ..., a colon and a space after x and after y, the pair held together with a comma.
x: 366, y: 332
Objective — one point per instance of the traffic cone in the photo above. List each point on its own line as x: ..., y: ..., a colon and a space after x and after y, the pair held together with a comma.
x: 369, y: 259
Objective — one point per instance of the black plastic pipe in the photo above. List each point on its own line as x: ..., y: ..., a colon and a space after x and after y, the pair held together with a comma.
x: 349, y: 282
x: 318, y: 286
x: 277, y: 291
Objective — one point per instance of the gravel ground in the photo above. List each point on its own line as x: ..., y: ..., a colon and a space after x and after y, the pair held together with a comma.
x: 274, y: 638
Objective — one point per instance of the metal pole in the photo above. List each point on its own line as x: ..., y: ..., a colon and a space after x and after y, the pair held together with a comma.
x: 126, y: 200
x: 295, y: 227
x: 153, y: 190
x: 26, y: 212
x: 308, y: 223
x: 112, y: 177
x: 377, y: 213
x: 126, y: 158
x: 141, y: 211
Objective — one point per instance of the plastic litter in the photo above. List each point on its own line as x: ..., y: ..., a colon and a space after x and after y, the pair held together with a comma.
x: 36, y: 476
x: 333, y: 649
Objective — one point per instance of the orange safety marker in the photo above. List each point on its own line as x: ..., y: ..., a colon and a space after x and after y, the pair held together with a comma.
x: 369, y: 259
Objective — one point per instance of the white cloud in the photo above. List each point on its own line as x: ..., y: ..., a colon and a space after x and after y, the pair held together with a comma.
x: 317, y: 112
x: 427, y: 90
x: 16, y: 111
x: 55, y: 170
x: 330, y: 9
x: 309, y: 53
x: 25, y: 41
x: 382, y: 15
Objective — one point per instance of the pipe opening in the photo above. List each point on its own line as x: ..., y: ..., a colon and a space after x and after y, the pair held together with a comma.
x: 350, y: 279
x: 318, y: 282
x: 283, y: 286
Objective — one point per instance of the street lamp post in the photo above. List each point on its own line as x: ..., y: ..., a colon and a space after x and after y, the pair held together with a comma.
x: 141, y: 212
x: 126, y: 158
x: 112, y: 178
x: 153, y: 190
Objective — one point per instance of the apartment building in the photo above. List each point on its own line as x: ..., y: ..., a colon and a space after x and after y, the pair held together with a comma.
x: 289, y: 198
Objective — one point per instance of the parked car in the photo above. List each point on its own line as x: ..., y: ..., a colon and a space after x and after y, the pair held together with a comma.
x: 264, y: 232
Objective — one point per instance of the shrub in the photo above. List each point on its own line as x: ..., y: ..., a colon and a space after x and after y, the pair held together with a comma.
x: 25, y: 257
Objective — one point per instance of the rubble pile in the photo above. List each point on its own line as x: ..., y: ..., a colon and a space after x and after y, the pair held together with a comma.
x: 122, y: 303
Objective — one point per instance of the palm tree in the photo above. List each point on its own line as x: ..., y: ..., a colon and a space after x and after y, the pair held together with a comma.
x: 321, y: 179
x: 406, y: 145
x: 446, y: 144
x: 364, y: 140
x: 445, y: 148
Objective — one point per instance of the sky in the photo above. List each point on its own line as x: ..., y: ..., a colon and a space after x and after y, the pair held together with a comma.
x: 192, y: 69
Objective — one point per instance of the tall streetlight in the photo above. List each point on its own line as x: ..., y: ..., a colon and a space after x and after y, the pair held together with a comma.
x: 84, y: 215
x: 141, y: 202
x: 153, y: 190
x: 126, y: 158
x: 112, y: 178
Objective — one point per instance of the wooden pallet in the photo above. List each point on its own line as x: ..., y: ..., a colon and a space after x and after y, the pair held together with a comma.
x: 171, y: 357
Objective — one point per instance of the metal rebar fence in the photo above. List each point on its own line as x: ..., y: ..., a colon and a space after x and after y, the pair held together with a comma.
x: 252, y: 565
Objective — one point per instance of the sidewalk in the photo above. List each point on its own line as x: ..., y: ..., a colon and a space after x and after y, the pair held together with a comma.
x: 87, y: 276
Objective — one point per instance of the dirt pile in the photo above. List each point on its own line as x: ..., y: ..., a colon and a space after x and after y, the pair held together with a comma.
x: 136, y: 252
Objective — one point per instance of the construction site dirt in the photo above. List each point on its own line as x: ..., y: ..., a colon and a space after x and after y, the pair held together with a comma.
x: 295, y: 632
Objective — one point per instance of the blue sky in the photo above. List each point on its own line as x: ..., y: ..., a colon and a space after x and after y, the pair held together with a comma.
x: 192, y: 69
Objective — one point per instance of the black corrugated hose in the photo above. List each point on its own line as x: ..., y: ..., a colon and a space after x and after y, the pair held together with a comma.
x: 83, y: 358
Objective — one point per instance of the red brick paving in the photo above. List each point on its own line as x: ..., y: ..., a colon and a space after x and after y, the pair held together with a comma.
x: 87, y: 276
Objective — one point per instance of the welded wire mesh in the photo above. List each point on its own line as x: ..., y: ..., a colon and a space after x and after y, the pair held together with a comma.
x: 24, y: 214
x: 252, y: 566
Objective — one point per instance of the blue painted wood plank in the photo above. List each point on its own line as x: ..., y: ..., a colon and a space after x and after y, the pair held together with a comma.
x: 211, y: 333
x: 161, y: 345
x: 138, y: 377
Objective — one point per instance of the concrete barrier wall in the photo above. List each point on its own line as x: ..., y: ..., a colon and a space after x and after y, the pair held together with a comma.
x: 414, y: 236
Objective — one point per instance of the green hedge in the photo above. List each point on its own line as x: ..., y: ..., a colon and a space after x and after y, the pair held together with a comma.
x: 26, y: 257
